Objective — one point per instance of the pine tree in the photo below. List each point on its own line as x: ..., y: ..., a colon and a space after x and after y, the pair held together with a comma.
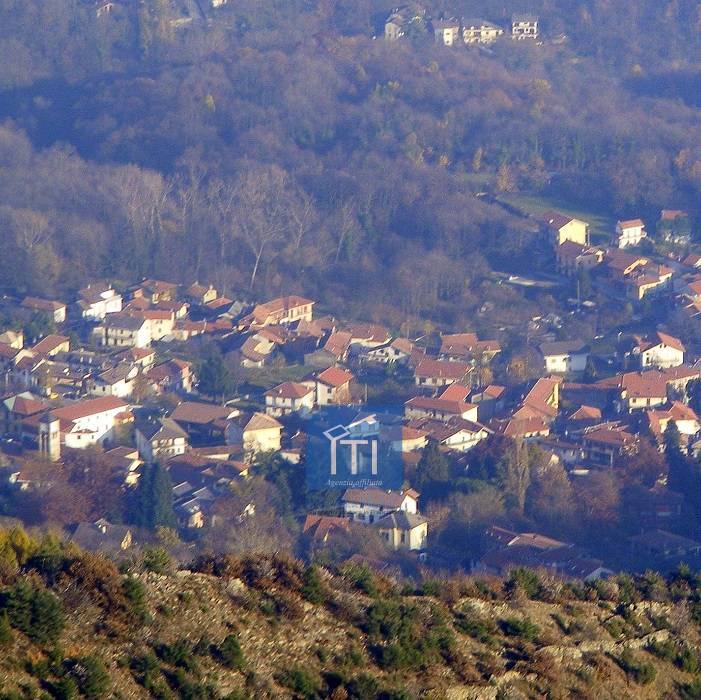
x: 154, y: 499
x: 162, y: 499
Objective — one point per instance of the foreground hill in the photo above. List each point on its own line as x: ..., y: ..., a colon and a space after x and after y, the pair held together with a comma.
x: 72, y: 625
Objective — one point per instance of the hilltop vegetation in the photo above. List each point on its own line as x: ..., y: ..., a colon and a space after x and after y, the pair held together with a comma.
x: 73, y: 625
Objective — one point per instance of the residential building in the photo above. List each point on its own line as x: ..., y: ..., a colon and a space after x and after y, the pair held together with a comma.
x: 56, y: 310
x: 402, y: 530
x: 466, y: 347
x: 433, y: 374
x: 478, y: 31
x: 52, y: 345
x: 524, y: 26
x: 160, y: 439
x: 564, y: 357
x: 123, y: 330
x: 660, y: 350
x: 283, y: 310
x: 115, y: 381
x: 446, y: 31
x: 91, y: 422
x: 290, y: 397
x: 439, y: 408
x: 572, y: 257
x: 98, y: 300
x: 255, y: 434
x: 398, y: 351
x: 629, y: 233
x: 200, y: 294
x: 560, y: 228
x: 333, y: 386
x: 369, y: 505
x: 176, y: 376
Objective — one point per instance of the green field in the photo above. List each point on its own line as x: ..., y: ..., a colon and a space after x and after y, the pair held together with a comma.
x: 601, y: 227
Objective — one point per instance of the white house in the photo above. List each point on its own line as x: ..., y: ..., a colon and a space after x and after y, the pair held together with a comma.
x: 629, y: 233
x: 398, y: 351
x: 289, y: 397
x: 90, y: 422
x: 122, y: 330
x: 116, y: 381
x: 565, y: 356
x: 659, y: 350
x: 477, y: 31
x: 369, y: 505
x: 98, y: 300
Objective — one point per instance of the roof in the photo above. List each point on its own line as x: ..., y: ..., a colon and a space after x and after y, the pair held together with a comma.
x: 318, y: 527
x: 644, y: 384
x: 373, y: 332
x: 89, y: 407
x: 564, y: 347
x: 199, y: 413
x: 401, y: 520
x: 586, y: 413
x: 259, y: 421
x: 338, y: 343
x: 262, y: 311
x: 520, y: 427
x: 289, y: 390
x: 42, y: 304
x: 631, y: 223
x: 378, y: 497
x: 334, y: 377
x: 467, y: 344
x: 670, y: 341
x: 125, y: 321
x: 163, y: 429
x: 428, y: 367
x: 556, y: 220
x: 429, y: 403
x: 50, y: 343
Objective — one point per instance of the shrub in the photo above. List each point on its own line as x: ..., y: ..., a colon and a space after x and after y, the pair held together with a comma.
x: 301, y: 681
x: 521, y: 627
x: 313, y: 588
x: 687, y: 660
x: 178, y: 654
x: 469, y: 622
x: 65, y: 689
x: 642, y: 673
x: 362, y: 577
x: 157, y: 560
x: 230, y: 654
x: 135, y: 595
x: 691, y: 691
x: 34, y: 611
x: 526, y: 580
x: 91, y: 676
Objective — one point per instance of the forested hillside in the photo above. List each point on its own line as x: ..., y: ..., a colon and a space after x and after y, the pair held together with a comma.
x: 279, y: 146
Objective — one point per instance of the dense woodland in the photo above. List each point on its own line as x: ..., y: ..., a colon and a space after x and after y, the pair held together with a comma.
x: 279, y: 147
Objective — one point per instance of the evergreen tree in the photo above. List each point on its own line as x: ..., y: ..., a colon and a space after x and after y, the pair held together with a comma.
x: 154, y: 499
x: 214, y: 377
x: 433, y: 472
x: 677, y: 463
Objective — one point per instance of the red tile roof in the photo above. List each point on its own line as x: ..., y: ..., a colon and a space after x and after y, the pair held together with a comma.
x: 289, y: 390
x: 335, y: 376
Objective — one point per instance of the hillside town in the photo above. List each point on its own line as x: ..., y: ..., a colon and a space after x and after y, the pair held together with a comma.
x: 213, y: 389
